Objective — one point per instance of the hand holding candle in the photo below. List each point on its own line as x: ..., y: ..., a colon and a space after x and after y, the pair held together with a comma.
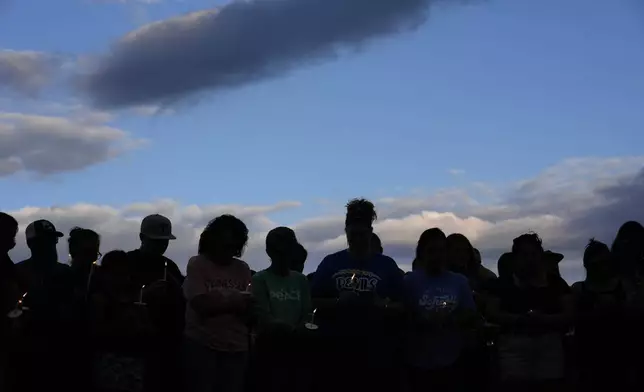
x: 18, y: 310
x: 140, y: 302
x: 311, y: 324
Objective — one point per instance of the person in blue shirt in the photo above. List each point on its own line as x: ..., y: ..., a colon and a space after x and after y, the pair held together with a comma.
x: 441, y: 309
x: 354, y: 289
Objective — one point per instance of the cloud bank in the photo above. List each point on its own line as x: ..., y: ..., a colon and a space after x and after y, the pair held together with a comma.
x: 240, y: 43
x: 565, y: 220
x: 45, y: 145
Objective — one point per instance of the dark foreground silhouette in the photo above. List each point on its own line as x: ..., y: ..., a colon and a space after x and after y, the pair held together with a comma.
x: 134, y: 323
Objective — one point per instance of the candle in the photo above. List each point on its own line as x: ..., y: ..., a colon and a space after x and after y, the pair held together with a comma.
x: 165, y: 272
x: 17, y: 311
x: 249, y: 288
x: 311, y: 325
x: 141, y: 295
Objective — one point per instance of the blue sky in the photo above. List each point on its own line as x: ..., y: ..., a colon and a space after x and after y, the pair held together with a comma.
x: 499, y: 90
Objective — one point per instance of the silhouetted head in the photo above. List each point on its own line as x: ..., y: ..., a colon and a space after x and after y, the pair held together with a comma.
x: 155, y: 234
x: 84, y: 245
x: 281, y: 247
x: 42, y: 238
x: 598, y: 261
x: 431, y: 251
x: 223, y: 239
x: 505, y: 266
x: 376, y: 244
x: 361, y: 214
x: 628, y: 248
x: 8, y: 232
x: 460, y: 254
x: 115, y: 268
x: 527, y: 251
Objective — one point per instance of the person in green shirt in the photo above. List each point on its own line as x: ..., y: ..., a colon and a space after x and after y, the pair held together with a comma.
x: 282, y: 295
x: 283, y: 302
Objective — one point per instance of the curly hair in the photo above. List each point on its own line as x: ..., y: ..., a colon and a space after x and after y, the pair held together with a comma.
x: 527, y: 239
x: 594, y: 249
x: 225, y: 234
x: 360, y: 211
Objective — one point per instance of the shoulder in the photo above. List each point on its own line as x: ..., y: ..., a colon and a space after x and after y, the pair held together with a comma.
x: 260, y: 275
x: 197, y: 262
x: 457, y: 278
x: 340, y: 255
x: 386, y: 261
x: 240, y: 266
x: 299, y: 276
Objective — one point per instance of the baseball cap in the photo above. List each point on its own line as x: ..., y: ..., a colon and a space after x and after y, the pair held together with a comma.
x: 280, y: 237
x: 157, y: 227
x: 553, y: 256
x: 42, y: 228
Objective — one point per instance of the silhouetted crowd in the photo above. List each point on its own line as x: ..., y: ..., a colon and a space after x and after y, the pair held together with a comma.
x: 131, y: 322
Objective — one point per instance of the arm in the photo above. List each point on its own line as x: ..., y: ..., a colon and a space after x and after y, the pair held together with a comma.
x: 307, y: 305
x: 466, y: 315
x: 262, y: 303
x: 562, y: 319
x: 322, y: 291
x: 498, y: 316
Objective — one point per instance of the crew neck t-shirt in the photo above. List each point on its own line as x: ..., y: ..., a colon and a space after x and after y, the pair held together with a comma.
x: 379, y: 276
x: 285, y: 299
x: 223, y: 332
x: 437, y: 348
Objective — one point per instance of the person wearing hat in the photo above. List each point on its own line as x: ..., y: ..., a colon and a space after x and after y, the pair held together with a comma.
x: 50, y: 299
x: 160, y: 280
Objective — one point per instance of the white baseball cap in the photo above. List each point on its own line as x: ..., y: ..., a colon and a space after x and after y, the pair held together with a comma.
x: 157, y: 227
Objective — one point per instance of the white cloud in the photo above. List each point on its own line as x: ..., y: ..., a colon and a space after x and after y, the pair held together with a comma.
x: 46, y: 145
x: 564, y: 220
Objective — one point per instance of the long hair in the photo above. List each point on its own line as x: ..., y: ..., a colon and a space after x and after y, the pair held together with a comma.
x: 224, y: 235
x: 456, y: 239
x: 427, y: 237
x: 627, y: 248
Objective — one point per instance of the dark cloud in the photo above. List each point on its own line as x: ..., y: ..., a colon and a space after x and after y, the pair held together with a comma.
x: 239, y: 43
x: 27, y: 72
x: 47, y: 145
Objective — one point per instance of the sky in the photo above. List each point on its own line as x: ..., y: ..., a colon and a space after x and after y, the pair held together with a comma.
x: 486, y: 117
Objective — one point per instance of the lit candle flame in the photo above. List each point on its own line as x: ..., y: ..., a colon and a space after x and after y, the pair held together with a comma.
x: 315, y: 310
x: 21, y: 299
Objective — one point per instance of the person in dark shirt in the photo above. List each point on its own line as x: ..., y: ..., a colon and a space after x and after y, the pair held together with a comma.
x: 160, y: 281
x: 48, y: 323
x: 120, y: 327
x: 600, y: 302
x: 533, y: 310
x: 353, y: 290
x: 442, y: 311
x: 84, y: 252
x: 11, y: 289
